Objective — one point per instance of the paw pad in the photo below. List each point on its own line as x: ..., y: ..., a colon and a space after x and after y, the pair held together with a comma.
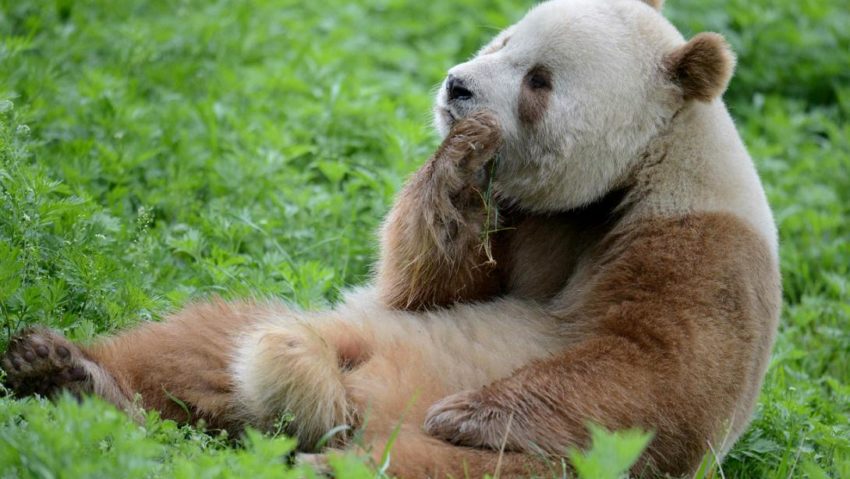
x: 40, y: 361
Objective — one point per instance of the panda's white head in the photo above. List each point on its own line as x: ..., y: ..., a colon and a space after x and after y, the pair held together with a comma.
x: 580, y: 88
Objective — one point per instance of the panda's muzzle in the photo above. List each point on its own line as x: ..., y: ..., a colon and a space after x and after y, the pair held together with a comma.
x: 457, y: 90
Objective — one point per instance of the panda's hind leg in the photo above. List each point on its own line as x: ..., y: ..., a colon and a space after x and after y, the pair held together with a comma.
x: 180, y: 367
x: 42, y: 361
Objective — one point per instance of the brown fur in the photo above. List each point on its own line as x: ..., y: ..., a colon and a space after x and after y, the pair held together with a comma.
x: 537, y: 254
x: 416, y: 454
x: 678, y: 315
x: 435, y: 250
x: 534, y: 95
x: 702, y: 67
x: 41, y: 361
x: 184, y: 359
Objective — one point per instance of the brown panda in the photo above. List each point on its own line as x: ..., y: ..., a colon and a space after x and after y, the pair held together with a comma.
x: 590, y: 243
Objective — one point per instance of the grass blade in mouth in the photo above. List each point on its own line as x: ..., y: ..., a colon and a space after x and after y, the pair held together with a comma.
x: 491, y: 211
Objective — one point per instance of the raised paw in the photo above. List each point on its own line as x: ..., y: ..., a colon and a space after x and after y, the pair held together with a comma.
x: 470, y: 145
x: 466, y: 419
x: 41, y: 361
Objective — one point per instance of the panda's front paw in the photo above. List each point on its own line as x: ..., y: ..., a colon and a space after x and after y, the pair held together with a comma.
x: 468, y: 419
x: 470, y: 145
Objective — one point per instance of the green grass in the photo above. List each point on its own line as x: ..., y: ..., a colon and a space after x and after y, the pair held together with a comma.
x: 155, y: 152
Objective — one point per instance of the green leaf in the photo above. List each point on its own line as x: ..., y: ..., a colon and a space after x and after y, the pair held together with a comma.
x: 611, y: 454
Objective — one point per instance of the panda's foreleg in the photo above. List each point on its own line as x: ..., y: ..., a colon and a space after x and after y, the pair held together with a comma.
x: 546, y: 407
x: 434, y: 248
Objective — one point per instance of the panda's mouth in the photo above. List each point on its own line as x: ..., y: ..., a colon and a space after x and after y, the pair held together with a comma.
x: 448, y: 116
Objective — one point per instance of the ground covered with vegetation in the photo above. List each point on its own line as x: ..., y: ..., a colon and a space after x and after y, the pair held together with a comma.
x: 156, y: 152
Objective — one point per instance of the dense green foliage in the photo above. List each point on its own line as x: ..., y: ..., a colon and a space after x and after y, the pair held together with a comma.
x: 153, y: 152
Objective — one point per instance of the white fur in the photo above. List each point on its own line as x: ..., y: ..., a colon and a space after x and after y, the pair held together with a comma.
x: 712, y: 172
x: 282, y: 366
x: 606, y: 104
x: 610, y: 104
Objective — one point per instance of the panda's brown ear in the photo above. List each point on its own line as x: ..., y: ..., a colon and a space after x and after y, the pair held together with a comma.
x: 656, y: 4
x: 702, y: 67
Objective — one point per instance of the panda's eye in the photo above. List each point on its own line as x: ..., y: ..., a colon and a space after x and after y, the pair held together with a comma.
x: 539, y: 78
x: 538, y: 81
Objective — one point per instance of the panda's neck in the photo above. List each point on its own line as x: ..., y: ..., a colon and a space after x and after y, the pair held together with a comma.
x: 699, y: 165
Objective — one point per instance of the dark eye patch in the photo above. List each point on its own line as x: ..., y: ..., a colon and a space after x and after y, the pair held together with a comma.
x: 534, y: 94
x: 539, y: 78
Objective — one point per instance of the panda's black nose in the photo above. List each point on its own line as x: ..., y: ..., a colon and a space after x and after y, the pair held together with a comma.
x: 456, y: 89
